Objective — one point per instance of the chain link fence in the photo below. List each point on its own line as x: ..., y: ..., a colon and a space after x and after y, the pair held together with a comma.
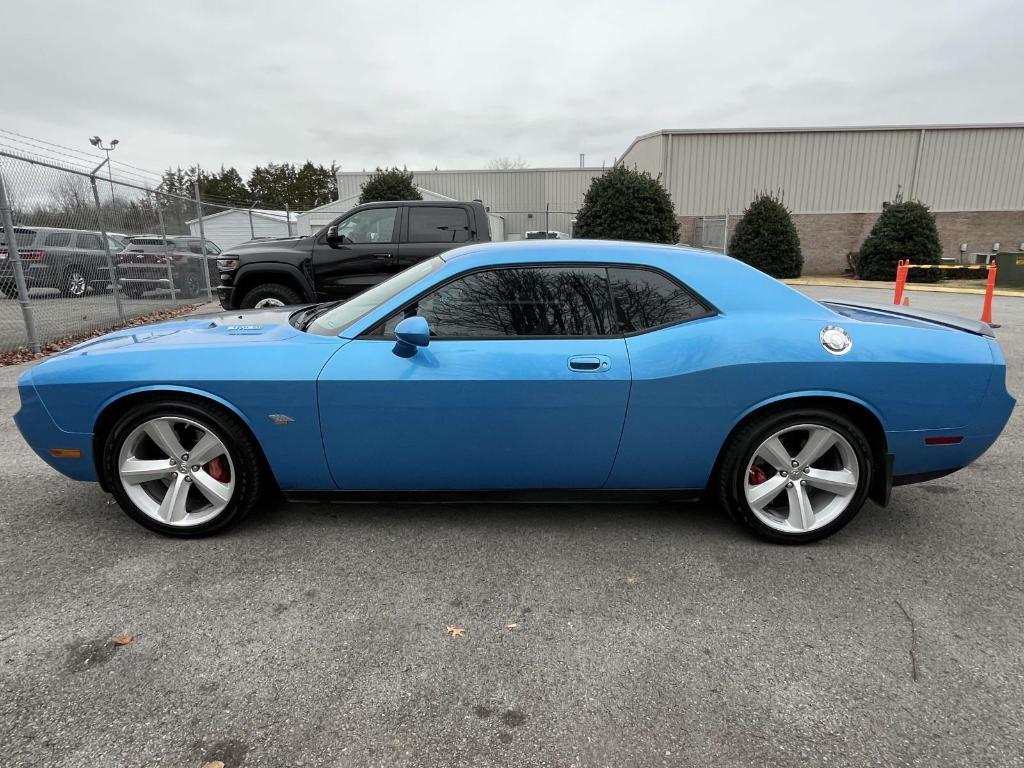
x: 90, y: 252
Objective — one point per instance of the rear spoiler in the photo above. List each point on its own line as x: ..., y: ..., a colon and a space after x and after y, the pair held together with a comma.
x: 938, y: 318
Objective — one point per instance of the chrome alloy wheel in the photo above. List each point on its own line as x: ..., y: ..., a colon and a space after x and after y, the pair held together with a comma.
x: 268, y: 302
x: 176, y: 471
x: 801, y: 478
x: 76, y: 283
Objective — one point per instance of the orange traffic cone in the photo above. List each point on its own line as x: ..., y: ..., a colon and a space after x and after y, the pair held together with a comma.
x: 906, y: 301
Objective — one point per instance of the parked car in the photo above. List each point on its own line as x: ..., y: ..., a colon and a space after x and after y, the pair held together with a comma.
x: 530, y: 369
x: 143, y: 265
x: 70, y: 260
x: 365, y: 245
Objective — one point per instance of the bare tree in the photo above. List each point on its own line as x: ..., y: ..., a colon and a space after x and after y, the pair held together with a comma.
x: 506, y: 163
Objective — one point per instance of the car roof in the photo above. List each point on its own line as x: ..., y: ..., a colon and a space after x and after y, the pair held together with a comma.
x: 726, y: 282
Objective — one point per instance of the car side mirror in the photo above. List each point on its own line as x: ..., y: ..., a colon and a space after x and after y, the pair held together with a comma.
x: 411, y: 333
x: 333, y: 238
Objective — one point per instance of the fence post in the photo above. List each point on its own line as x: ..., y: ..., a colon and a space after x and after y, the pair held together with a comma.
x: 115, y: 286
x: 725, y: 234
x: 252, y: 229
x: 202, y: 242
x: 547, y: 219
x: 7, y: 219
x: 167, y: 248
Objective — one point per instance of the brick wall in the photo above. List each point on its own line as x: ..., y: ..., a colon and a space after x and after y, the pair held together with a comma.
x: 826, y: 238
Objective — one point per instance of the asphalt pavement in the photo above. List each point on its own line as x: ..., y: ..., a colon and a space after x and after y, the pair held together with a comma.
x: 595, y: 635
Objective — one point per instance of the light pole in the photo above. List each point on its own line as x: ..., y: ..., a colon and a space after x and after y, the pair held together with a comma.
x: 96, y: 141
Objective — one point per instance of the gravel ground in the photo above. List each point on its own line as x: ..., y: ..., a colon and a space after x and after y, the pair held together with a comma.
x: 643, y: 634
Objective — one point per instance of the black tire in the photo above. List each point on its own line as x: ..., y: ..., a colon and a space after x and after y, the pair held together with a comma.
x: 273, y: 291
x: 69, y: 280
x: 190, y: 286
x: 133, y: 290
x: 251, y: 474
x: 739, y: 450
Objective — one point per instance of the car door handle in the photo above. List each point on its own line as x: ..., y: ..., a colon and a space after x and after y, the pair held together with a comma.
x: 589, y: 363
x: 383, y: 256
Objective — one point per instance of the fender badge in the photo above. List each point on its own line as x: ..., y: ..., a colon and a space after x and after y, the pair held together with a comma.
x: 245, y: 327
x: 280, y: 419
x: 835, y: 340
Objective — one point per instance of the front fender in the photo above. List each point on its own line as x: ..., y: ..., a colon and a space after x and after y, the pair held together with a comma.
x: 251, y: 274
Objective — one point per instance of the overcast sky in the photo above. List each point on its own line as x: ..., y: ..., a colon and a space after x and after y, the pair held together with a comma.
x: 456, y: 84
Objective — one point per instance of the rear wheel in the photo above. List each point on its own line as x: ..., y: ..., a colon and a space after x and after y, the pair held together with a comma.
x: 182, y: 468
x: 74, y: 283
x: 796, y: 476
x: 270, y: 295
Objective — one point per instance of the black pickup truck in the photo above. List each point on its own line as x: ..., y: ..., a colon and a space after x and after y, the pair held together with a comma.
x: 362, y: 247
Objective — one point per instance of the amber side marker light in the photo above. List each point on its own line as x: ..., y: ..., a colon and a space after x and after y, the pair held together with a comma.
x: 944, y: 440
x: 66, y: 453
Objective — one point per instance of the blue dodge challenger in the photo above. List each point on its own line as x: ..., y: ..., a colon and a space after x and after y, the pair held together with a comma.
x: 528, y: 370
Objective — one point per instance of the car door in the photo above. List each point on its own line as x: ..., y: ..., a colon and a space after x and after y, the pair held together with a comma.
x: 365, y: 253
x: 432, y: 229
x: 524, y: 385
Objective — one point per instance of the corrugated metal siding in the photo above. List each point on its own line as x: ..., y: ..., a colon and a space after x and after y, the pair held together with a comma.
x: 978, y: 169
x: 232, y: 228
x: 524, y: 191
x: 843, y: 171
x: 647, y: 154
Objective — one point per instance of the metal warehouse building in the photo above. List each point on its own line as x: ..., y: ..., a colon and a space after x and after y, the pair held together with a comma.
x: 835, y: 180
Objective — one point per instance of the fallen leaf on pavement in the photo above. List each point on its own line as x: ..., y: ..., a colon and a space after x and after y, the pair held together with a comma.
x: 214, y: 764
x: 510, y: 627
x: 456, y: 631
x: 632, y: 581
x: 121, y: 639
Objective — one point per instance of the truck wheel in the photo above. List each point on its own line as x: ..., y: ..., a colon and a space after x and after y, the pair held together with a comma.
x: 270, y: 295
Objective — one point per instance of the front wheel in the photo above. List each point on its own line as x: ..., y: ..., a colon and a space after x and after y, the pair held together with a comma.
x: 796, y: 476
x: 270, y: 295
x: 182, y: 468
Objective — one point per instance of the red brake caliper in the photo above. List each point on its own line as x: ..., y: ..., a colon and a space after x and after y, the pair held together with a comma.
x: 757, y: 475
x: 218, y: 469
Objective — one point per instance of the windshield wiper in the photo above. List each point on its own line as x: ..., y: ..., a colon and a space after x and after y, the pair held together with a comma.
x: 312, y: 313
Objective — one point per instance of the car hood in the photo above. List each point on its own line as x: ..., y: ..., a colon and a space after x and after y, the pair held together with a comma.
x: 270, y: 324
x: 269, y: 243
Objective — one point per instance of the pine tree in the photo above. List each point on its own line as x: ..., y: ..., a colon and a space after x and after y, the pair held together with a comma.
x: 390, y: 184
x: 766, y: 239
x: 905, y: 230
x: 627, y: 204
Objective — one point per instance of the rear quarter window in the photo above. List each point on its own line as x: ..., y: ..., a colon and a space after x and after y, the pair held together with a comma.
x: 438, y: 224
x: 645, y: 299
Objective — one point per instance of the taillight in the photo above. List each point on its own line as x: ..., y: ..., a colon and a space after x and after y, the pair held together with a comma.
x: 32, y: 255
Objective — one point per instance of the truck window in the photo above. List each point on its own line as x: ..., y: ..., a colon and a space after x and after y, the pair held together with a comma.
x: 437, y: 224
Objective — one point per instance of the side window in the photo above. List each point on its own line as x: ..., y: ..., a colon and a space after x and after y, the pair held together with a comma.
x: 436, y: 224
x: 90, y: 241
x: 194, y: 246
x: 376, y: 225
x: 211, y: 249
x: 59, y: 239
x: 524, y: 301
x: 646, y: 299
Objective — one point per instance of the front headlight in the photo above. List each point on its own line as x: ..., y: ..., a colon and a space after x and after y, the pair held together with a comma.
x: 227, y: 264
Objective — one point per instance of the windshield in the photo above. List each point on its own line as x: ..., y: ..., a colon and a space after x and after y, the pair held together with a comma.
x: 333, y: 322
